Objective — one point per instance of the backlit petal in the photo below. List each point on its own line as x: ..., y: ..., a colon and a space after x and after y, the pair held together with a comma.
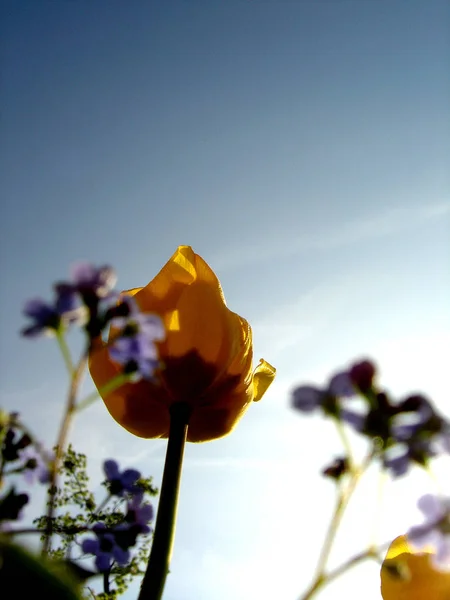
x: 263, y: 376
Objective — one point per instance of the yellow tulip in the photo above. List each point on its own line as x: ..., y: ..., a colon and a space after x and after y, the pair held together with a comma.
x: 206, y: 357
x: 410, y: 575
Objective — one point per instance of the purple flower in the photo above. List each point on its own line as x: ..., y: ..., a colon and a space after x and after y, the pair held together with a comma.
x: 114, y: 544
x: 93, y: 281
x: 136, y: 522
x: 398, y: 458
x: 308, y: 398
x: 36, y: 465
x: 435, y: 531
x: 76, y: 301
x: 139, y: 514
x: 341, y: 385
x: 443, y: 439
x: 353, y: 418
x: 105, y: 548
x: 134, y: 346
x: 48, y: 318
x: 120, y: 482
x: 413, y: 414
x: 362, y: 375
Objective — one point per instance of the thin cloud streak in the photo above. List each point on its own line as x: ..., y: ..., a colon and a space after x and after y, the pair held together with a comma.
x: 390, y: 222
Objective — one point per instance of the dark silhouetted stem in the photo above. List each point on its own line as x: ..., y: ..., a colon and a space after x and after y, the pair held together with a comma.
x: 158, y: 563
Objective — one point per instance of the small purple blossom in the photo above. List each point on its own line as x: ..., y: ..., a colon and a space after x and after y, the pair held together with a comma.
x: 435, y: 531
x: 36, y: 465
x: 93, y: 281
x: 353, y: 418
x: 341, y: 385
x: 48, y: 318
x: 139, y: 514
x: 398, y: 458
x: 76, y: 301
x: 308, y: 398
x: 134, y: 347
x: 362, y: 375
x: 121, y: 481
x: 113, y: 544
x: 413, y: 413
x: 105, y: 548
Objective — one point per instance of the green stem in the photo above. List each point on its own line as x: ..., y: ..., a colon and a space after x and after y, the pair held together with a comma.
x: 343, y: 499
x: 336, y: 573
x: 65, y: 352
x: 158, y: 563
x: 346, y: 443
x: 61, y: 443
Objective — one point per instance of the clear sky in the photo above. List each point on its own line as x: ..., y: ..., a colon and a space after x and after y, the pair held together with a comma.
x: 302, y: 148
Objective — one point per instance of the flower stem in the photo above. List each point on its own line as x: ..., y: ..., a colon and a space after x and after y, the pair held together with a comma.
x: 158, y: 563
x: 65, y: 352
x: 61, y: 447
x: 346, y: 443
x: 344, y: 496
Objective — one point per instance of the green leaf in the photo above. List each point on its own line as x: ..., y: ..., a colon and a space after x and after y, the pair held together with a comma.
x: 23, y: 575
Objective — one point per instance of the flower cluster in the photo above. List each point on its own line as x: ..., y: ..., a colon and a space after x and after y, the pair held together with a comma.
x: 134, y: 344
x: 89, y: 300
x: 403, y: 432
x: 76, y: 301
x: 19, y: 456
x: 435, y: 531
x: 112, y: 544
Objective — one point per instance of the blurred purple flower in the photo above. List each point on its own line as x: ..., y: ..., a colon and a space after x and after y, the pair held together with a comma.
x: 435, y: 531
x: 354, y: 419
x: 398, y: 458
x: 76, y: 301
x: 308, y: 398
x: 48, y: 318
x: 36, y: 465
x: 105, y: 548
x: 341, y: 385
x: 413, y: 413
x: 121, y: 481
x: 90, y: 281
x: 136, y: 522
x: 135, y: 346
x: 139, y: 514
x: 362, y: 375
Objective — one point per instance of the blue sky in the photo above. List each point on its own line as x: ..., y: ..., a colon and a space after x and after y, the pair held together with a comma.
x: 302, y: 148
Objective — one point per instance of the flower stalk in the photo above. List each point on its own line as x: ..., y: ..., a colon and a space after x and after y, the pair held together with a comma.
x: 160, y: 555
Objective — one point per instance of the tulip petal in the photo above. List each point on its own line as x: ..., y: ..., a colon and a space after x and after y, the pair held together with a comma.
x: 139, y: 407
x: 407, y: 575
x: 202, y: 324
x: 162, y: 293
x: 399, y: 546
x: 263, y: 376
